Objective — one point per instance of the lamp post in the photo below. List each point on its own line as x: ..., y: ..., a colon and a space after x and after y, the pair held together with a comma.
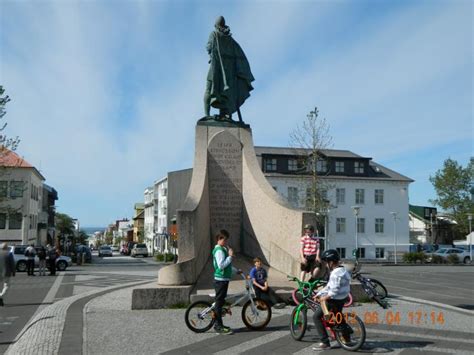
x: 394, y: 215
x: 469, y: 218
x: 356, y: 210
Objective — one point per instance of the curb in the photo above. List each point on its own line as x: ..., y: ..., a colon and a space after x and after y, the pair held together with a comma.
x: 431, y: 303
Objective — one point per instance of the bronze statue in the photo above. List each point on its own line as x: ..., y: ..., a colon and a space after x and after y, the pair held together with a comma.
x: 229, y: 78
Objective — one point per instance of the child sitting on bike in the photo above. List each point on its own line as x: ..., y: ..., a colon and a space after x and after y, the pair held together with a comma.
x: 222, y: 260
x: 260, y: 284
x: 334, y: 294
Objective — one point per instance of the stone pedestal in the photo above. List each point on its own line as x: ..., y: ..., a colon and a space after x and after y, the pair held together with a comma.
x: 229, y: 191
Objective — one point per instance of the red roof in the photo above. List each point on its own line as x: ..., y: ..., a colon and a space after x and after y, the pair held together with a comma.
x: 11, y: 159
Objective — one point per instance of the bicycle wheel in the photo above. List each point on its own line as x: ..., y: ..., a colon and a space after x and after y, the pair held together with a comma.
x: 353, y: 337
x: 196, y: 317
x: 382, y: 303
x: 298, y: 326
x: 349, y: 300
x: 379, y: 287
x: 256, y: 316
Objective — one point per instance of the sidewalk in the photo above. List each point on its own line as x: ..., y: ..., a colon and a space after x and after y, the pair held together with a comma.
x: 102, y: 322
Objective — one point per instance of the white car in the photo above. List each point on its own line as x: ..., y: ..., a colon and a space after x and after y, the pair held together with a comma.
x: 139, y: 249
x: 462, y: 254
x: 62, y: 262
x: 105, y: 250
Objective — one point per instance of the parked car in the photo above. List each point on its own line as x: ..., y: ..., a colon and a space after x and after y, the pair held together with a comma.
x: 115, y: 248
x: 62, y: 262
x: 105, y: 250
x: 462, y: 254
x: 139, y: 249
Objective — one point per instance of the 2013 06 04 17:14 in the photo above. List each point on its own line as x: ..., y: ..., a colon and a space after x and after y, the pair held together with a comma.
x: 418, y: 317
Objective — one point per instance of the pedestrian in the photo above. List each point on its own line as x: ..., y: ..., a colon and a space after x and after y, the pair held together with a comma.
x: 52, y: 256
x: 7, y: 270
x: 42, y: 260
x: 30, y: 254
x: 222, y: 260
x: 309, y: 252
x: 333, y: 296
x: 260, y: 284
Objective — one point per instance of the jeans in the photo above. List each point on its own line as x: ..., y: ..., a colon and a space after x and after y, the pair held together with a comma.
x: 30, y: 266
x: 42, y: 267
x: 221, y: 293
x: 269, y: 295
x: 334, y: 306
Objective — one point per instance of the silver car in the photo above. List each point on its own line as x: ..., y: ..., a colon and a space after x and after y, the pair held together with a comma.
x: 139, y: 249
x: 62, y: 262
x: 105, y: 250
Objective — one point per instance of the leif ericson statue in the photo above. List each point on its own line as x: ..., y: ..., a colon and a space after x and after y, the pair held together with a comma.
x: 229, y: 80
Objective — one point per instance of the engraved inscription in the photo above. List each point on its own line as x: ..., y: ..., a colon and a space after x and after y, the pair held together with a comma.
x: 225, y: 185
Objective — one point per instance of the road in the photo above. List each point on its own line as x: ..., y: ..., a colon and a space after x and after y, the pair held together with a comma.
x: 29, y: 295
x: 452, y: 285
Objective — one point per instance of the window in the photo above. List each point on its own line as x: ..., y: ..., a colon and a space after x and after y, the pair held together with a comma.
x: 339, y: 167
x: 3, y: 220
x: 321, y: 166
x: 270, y: 164
x: 360, y: 225
x: 361, y: 252
x: 16, y: 189
x: 14, y: 221
x: 379, y: 253
x: 358, y: 167
x: 378, y: 197
x: 379, y: 225
x: 359, y: 198
x: 293, y: 195
x: 340, y: 225
x: 340, y: 196
x: 3, y: 188
x: 342, y: 252
x: 292, y: 165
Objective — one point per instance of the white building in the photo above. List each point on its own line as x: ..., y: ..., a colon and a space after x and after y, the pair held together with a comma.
x: 354, y: 183
x: 149, y: 222
x: 161, y: 212
x: 21, y: 193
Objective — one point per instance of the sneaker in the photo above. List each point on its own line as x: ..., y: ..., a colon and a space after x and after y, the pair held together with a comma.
x: 279, y: 305
x: 223, y: 330
x: 322, y: 346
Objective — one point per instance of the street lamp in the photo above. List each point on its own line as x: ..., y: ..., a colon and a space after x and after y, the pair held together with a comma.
x: 469, y: 218
x: 356, y: 210
x: 394, y: 215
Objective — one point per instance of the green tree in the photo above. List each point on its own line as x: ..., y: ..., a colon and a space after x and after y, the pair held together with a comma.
x: 82, y: 238
x: 65, y: 226
x: 453, y: 185
x: 309, y: 139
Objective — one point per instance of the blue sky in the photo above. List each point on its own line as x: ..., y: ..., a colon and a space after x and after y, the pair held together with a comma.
x: 106, y: 94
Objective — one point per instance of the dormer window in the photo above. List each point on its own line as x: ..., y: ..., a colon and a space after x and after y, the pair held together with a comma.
x: 339, y: 166
x: 292, y: 164
x: 321, y: 166
x: 358, y: 167
x: 270, y: 164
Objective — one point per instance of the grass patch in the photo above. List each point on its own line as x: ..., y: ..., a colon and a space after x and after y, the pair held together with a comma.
x: 179, y: 306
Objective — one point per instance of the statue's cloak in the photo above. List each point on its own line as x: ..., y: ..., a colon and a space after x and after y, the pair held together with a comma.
x: 229, y: 73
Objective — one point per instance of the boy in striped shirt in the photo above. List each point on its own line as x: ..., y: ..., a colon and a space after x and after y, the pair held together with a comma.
x: 309, y: 252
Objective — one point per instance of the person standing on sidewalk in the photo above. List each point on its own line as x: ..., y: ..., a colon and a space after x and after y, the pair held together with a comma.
x: 30, y: 254
x: 7, y: 270
x: 52, y: 255
x: 222, y: 260
x: 42, y: 261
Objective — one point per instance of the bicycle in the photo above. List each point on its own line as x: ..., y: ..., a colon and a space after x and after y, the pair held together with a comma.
x: 256, y: 312
x: 297, y: 296
x: 349, y: 334
x: 372, y: 287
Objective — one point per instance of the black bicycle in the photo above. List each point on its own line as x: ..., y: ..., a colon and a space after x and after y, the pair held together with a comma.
x: 372, y: 287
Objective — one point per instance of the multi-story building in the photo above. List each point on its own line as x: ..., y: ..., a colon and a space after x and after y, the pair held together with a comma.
x: 368, y: 203
x: 46, y: 225
x: 21, y: 195
x: 429, y: 226
x: 161, y: 212
x: 149, y: 218
x: 138, y: 222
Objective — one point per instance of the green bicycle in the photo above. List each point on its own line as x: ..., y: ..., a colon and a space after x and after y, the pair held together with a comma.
x: 338, y: 325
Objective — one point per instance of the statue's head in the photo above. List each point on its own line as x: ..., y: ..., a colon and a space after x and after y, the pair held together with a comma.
x: 221, y: 26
